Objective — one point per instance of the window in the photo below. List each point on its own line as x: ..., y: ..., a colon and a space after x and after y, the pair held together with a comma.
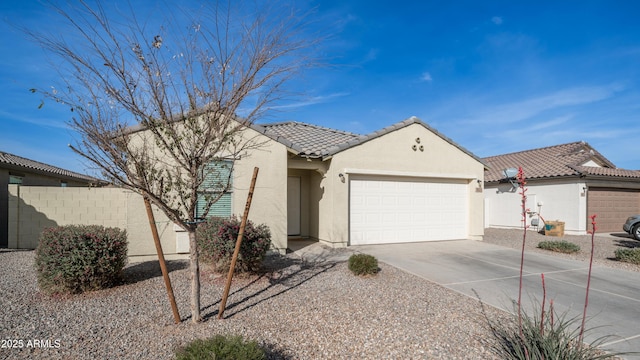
x: 15, y: 179
x: 216, y: 176
x: 63, y: 184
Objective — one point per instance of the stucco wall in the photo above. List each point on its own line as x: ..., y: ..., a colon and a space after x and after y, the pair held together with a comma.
x: 392, y: 154
x: 269, y: 204
x: 31, y: 209
x: 559, y: 201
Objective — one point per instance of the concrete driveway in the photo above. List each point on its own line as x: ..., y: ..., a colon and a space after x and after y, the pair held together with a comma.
x: 491, y: 273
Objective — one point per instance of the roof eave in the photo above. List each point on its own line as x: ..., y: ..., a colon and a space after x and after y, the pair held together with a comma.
x: 32, y: 170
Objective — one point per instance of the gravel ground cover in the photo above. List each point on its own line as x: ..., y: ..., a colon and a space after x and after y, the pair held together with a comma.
x: 298, y: 309
x: 605, y: 245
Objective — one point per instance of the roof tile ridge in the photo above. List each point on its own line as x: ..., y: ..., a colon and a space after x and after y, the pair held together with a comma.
x: 343, y: 132
x: 277, y: 123
x: 534, y: 150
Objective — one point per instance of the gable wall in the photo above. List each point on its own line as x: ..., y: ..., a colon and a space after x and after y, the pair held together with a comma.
x: 392, y: 154
x: 270, y: 196
x: 269, y: 203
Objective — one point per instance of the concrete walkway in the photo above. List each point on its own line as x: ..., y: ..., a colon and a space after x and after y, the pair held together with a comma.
x: 491, y: 273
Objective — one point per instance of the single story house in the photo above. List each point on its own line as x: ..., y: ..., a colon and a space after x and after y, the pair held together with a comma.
x: 568, y: 183
x: 404, y: 183
x: 15, y: 169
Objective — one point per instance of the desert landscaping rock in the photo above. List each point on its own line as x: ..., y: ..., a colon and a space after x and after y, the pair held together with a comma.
x: 605, y: 245
x: 298, y: 309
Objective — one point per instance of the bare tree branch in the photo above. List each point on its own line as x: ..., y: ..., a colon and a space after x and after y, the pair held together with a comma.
x: 156, y: 102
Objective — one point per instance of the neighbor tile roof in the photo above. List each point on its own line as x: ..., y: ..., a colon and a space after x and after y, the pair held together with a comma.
x: 555, y: 161
x: 24, y: 163
x: 314, y: 141
x: 590, y: 170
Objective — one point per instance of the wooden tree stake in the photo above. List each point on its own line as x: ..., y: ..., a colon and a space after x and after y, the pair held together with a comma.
x: 163, y: 265
x: 223, y: 303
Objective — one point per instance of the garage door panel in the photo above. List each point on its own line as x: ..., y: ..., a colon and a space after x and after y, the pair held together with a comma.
x: 612, y: 207
x: 407, y: 211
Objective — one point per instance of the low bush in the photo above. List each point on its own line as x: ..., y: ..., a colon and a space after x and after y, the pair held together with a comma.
x: 221, y: 348
x: 552, y: 337
x: 628, y: 255
x: 74, y: 259
x: 559, y: 246
x: 217, y: 237
x: 363, y: 264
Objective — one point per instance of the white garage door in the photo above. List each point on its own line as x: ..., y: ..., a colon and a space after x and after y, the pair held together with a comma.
x: 395, y: 211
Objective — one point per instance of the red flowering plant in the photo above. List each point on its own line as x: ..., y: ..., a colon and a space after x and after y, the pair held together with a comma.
x: 522, y: 181
x: 547, y: 336
x: 217, y: 237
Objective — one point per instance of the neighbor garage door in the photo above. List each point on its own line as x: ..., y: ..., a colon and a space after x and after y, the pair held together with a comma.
x: 396, y: 210
x: 612, y: 207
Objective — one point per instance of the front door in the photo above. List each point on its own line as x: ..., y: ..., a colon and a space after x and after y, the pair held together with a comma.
x: 293, y: 205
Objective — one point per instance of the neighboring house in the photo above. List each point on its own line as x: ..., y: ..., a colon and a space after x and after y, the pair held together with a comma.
x: 567, y: 182
x: 18, y: 170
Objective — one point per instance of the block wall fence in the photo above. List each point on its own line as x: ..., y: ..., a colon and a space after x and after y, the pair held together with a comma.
x: 31, y: 209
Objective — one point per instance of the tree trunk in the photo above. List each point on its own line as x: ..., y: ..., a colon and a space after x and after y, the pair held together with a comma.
x: 195, y: 278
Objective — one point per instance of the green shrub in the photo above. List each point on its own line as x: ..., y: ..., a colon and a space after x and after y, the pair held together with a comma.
x: 628, y: 255
x: 221, y: 348
x: 74, y: 259
x: 558, y: 339
x: 363, y: 264
x: 217, y: 237
x: 559, y: 246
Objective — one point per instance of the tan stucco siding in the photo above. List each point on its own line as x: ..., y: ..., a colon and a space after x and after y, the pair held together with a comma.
x: 270, y: 195
x: 269, y: 204
x: 31, y: 209
x: 393, y: 155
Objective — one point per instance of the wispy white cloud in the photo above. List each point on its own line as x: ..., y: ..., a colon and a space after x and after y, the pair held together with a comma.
x: 528, y: 108
x: 550, y: 124
x: 426, y: 77
x: 311, y: 101
x: 497, y: 20
x: 534, y: 128
x: 371, y: 55
x: 44, y: 122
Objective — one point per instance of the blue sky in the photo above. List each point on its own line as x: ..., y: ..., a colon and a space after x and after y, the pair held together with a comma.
x: 494, y: 76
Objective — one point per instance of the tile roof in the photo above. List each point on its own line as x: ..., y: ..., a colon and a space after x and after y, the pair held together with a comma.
x: 24, y: 163
x: 600, y: 171
x: 309, y: 140
x: 565, y: 160
x: 314, y: 141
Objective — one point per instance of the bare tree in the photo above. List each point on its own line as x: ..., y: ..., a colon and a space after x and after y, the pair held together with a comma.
x: 157, y: 102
